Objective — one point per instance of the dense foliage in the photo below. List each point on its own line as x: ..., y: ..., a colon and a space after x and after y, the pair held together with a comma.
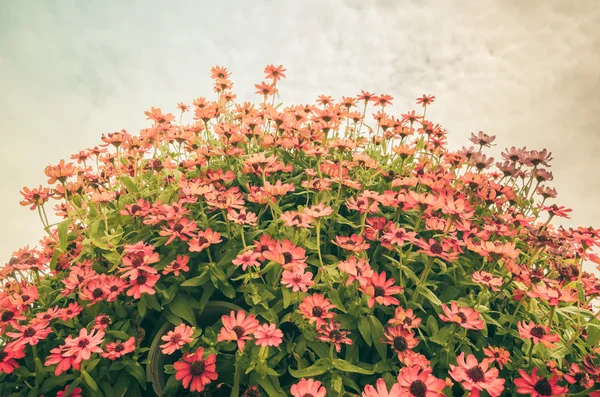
x: 304, y: 250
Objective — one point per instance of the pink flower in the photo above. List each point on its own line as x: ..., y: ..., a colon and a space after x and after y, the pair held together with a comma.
x: 315, y: 308
x: 248, y: 258
x: 476, y: 377
x: 180, y: 264
x: 464, y: 316
x: 380, y: 290
x: 268, y: 335
x: 416, y: 382
x: 114, y: 350
x: 193, y: 370
x: 177, y: 338
x: 84, y: 345
x: 237, y: 327
x: 308, y: 388
x: 297, y: 280
x: 381, y: 390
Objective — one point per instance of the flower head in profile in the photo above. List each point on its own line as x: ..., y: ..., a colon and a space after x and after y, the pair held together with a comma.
x: 413, y: 381
x: 356, y: 269
x: 463, y: 316
x: 238, y: 327
x: 405, y: 318
x: 194, y: 371
x: 176, y: 339
x: 476, y: 377
x: 203, y: 240
x: 537, y: 333
x: 308, y: 388
x: 8, y: 359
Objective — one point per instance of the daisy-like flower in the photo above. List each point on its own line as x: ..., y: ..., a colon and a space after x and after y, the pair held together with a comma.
x: 405, y: 318
x: 101, y: 322
x: 11, y: 316
x: 354, y: 243
x: 72, y: 310
x: 487, y: 279
x: 414, y: 381
x: 286, y: 254
x: 315, y: 308
x: 331, y: 333
x: 237, y: 327
x: 356, y: 269
x: 194, y: 372
x: 242, y: 217
x: 381, y: 390
x: 143, y: 284
x: 319, y: 211
x: 179, y: 264
x: 537, y: 333
x: 268, y: 335
x: 409, y: 358
x: 536, y: 386
x: 114, y: 350
x: 498, y: 354
x: 398, y: 236
x: 296, y: 219
x: 8, y: 359
x: 443, y: 250
x: 141, y: 208
x: 297, y: 280
x: 182, y: 229
x: 246, y: 259
x: 400, y: 339
x: 476, y: 377
x: 577, y: 376
x: 137, y: 258
x: 265, y: 244
x: 176, y: 339
x: 28, y: 334
x: 463, y: 316
x: 380, y: 290
x: 62, y: 359
x: 308, y: 388
x: 275, y: 73
x: 203, y: 240
x: 84, y: 345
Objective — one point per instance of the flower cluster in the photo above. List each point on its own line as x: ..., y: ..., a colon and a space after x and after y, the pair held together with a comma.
x: 306, y: 250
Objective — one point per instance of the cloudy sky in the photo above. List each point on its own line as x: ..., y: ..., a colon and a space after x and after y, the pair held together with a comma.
x: 526, y: 71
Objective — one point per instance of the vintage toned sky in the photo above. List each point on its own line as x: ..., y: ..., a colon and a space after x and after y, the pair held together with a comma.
x: 526, y: 71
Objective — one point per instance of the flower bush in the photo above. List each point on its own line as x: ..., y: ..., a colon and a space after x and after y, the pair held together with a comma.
x: 307, y: 250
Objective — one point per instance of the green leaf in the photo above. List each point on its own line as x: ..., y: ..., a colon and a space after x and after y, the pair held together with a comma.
x: 269, y: 388
x: 181, y: 306
x: 377, y: 336
x: 121, y: 385
x: 335, y: 299
x: 63, y: 230
x: 55, y: 381
x: 593, y: 335
x: 119, y: 334
x: 287, y: 297
x: 365, y: 329
x: 197, y: 281
x: 344, y: 365
x: 318, y: 368
x: 89, y: 381
x: 136, y: 370
x: 171, y: 387
x: 430, y: 296
x: 129, y: 184
x: 337, y: 384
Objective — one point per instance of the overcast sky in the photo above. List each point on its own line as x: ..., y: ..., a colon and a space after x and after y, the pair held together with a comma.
x: 526, y: 71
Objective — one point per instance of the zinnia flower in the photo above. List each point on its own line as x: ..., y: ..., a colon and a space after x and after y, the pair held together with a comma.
x: 195, y: 372
x: 416, y: 382
x: 315, y: 308
x: 476, y: 377
x: 114, y: 350
x: 177, y: 338
x: 268, y: 335
x: 297, y: 280
x: 84, y: 345
x: 537, y: 333
x: 238, y: 327
x: 400, y: 339
x: 498, y: 354
x: 76, y: 392
x: 381, y: 390
x: 381, y: 290
x: 331, y: 333
x: 535, y: 386
x: 464, y: 316
x: 308, y: 388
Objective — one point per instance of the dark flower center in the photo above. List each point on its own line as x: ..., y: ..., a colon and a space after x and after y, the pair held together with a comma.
x: 252, y: 391
x: 141, y: 280
x: 287, y: 257
x: 538, y: 332
x: 317, y: 312
x: 135, y: 208
x: 543, y: 387
x: 29, y: 332
x: 105, y: 320
x: 379, y: 291
x: 197, y: 368
x: 83, y: 343
x: 3, y: 355
x: 137, y: 261
x: 308, y: 395
x: 175, y: 338
x: 418, y: 388
x: 436, y: 248
x: 400, y: 344
x: 46, y: 316
x: 202, y: 240
x: 178, y: 227
x: 7, y: 315
x: 97, y: 293
x: 476, y: 374
x: 462, y: 316
x: 119, y: 348
x: 239, y: 331
x: 25, y: 297
x: 114, y: 288
x: 335, y: 335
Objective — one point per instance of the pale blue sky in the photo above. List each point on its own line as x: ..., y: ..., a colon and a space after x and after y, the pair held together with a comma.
x: 526, y: 71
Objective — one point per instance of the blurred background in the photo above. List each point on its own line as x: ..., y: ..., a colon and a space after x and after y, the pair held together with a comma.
x: 526, y: 71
